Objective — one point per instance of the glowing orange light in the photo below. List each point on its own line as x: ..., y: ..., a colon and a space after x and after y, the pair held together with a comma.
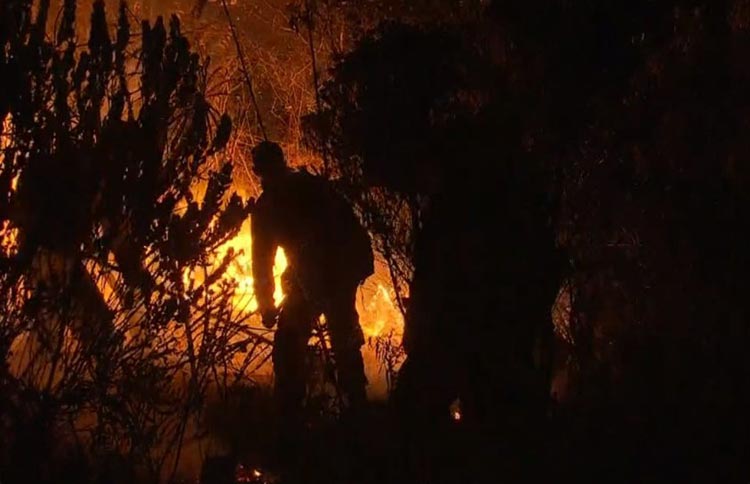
x: 455, y: 410
x: 240, y: 271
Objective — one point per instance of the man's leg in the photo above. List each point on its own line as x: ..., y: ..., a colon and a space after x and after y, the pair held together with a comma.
x: 347, y: 339
x: 290, y: 377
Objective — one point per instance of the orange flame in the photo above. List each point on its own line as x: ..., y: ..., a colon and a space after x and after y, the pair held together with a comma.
x: 379, y: 314
x: 240, y: 270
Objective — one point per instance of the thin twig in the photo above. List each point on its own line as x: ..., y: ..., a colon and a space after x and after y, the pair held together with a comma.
x: 316, y: 82
x: 243, y: 68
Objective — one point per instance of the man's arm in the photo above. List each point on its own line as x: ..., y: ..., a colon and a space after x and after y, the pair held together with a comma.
x: 263, y: 252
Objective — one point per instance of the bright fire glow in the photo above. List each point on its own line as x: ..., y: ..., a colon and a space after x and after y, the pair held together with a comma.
x: 241, y: 270
x: 375, y: 301
x: 455, y: 409
x: 379, y: 314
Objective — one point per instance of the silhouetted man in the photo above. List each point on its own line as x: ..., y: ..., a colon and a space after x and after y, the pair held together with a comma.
x: 329, y: 255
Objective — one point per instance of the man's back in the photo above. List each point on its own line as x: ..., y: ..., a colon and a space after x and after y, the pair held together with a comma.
x: 322, y: 238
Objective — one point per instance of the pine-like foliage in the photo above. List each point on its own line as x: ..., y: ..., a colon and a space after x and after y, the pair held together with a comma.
x: 116, y: 315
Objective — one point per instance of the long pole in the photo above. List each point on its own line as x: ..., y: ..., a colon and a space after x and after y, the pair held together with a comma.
x: 244, y: 69
x: 316, y: 79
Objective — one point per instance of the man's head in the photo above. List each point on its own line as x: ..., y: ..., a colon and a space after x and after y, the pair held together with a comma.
x: 268, y: 160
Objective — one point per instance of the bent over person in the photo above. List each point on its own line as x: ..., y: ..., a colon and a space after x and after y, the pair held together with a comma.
x: 329, y: 255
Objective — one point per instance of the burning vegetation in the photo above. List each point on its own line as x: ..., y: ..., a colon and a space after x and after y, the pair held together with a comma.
x: 126, y: 278
x: 555, y: 192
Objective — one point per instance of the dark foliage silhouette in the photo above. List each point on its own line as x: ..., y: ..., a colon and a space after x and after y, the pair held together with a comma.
x: 116, y: 318
x: 614, y: 129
